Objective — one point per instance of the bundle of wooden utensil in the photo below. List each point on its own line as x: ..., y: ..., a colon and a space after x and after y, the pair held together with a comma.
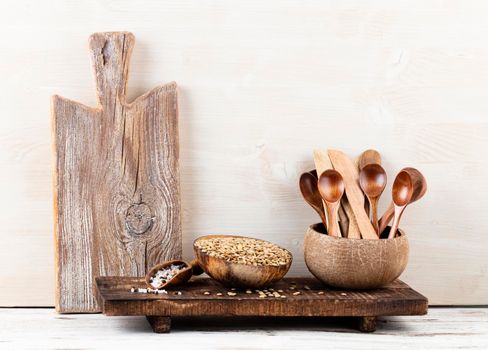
x: 350, y: 193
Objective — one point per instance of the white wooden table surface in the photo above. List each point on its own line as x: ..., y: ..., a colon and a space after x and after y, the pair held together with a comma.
x: 442, y: 328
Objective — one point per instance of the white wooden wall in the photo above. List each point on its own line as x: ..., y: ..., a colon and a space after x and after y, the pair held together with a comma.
x: 262, y: 83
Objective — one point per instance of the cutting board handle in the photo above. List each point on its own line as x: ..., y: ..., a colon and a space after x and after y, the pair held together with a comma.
x: 110, y: 55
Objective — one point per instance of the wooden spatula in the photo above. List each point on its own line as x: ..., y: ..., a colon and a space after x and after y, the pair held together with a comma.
x: 322, y: 163
x: 355, y: 196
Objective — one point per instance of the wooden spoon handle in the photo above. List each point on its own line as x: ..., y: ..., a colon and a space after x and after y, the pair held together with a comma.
x: 322, y: 217
x: 386, y: 218
x: 333, y: 225
x: 396, y: 221
x: 374, y: 214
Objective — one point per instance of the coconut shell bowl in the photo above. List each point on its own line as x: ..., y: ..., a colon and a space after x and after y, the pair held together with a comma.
x: 355, y: 263
x: 240, y: 274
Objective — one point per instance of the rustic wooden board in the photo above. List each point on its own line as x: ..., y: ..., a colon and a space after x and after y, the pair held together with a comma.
x: 116, y: 179
x: 396, y: 299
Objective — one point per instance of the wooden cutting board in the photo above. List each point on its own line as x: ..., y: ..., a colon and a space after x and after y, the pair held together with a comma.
x: 116, y: 179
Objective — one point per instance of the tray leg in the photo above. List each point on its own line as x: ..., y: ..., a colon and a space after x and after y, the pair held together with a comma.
x: 160, y: 324
x: 367, y: 323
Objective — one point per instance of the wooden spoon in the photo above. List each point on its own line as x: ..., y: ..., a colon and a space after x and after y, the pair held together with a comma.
x: 372, y: 179
x: 188, y: 270
x: 311, y: 194
x: 348, y: 227
x: 419, y: 189
x: 369, y: 156
x: 402, y: 195
x: 331, y: 187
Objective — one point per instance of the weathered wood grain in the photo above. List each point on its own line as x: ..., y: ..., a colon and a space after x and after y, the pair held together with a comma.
x: 302, y: 298
x: 116, y: 179
x: 395, y: 299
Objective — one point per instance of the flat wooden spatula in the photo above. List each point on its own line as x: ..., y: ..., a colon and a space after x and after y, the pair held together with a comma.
x: 355, y: 196
x: 116, y: 179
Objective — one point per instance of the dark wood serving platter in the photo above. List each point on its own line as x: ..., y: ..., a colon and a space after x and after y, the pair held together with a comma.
x: 395, y: 299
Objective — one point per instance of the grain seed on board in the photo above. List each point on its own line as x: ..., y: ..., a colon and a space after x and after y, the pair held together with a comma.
x: 148, y: 290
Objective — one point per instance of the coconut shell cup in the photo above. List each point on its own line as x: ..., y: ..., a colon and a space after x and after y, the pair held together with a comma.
x: 355, y: 263
x: 239, y: 275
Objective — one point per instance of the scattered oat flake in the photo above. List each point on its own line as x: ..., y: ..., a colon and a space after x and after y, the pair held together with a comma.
x: 262, y: 295
x: 280, y: 290
x: 283, y: 296
x: 248, y: 291
x: 219, y: 294
x: 206, y: 293
x: 307, y: 287
x: 320, y: 293
x: 296, y: 293
x: 343, y: 294
x: 231, y: 294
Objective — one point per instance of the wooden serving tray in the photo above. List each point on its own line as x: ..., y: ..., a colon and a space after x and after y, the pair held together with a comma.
x: 396, y: 299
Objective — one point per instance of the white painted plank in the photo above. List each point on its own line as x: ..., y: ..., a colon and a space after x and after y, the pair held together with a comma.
x: 262, y: 85
x: 450, y: 328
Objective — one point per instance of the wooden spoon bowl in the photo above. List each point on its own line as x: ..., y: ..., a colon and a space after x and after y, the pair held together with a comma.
x: 311, y: 194
x: 372, y: 180
x: 237, y: 274
x: 331, y: 187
